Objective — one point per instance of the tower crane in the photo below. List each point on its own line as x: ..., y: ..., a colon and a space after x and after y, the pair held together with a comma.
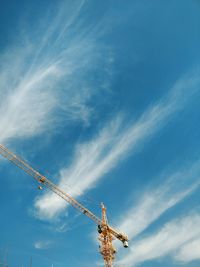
x: 106, y: 233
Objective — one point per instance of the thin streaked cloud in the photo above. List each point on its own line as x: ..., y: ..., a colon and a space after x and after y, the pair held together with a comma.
x: 91, y: 90
x: 169, y: 240
x: 54, y: 89
x: 161, y: 197
x: 189, y: 251
x: 93, y: 159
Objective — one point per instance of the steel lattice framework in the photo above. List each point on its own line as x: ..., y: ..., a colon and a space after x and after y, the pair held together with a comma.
x: 106, y: 232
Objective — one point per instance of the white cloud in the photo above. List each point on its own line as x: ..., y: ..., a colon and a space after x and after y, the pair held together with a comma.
x: 164, y: 242
x: 42, y: 244
x: 44, y: 80
x: 189, y: 252
x: 84, y: 166
x: 153, y: 203
x: 93, y: 159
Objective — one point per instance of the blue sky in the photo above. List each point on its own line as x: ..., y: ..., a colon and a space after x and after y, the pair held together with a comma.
x: 102, y: 97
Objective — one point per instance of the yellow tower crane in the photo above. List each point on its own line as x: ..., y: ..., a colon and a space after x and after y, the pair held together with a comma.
x: 106, y: 233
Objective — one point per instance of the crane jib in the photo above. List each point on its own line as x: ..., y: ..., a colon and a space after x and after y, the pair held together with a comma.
x: 106, y: 232
x: 43, y: 179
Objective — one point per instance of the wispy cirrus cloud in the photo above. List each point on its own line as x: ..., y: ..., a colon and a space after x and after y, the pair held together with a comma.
x: 170, y: 240
x: 93, y: 159
x: 189, y: 251
x: 157, y: 200
x: 44, y: 78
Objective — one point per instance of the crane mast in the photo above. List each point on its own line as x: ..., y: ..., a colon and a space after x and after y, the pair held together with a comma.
x: 106, y: 233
